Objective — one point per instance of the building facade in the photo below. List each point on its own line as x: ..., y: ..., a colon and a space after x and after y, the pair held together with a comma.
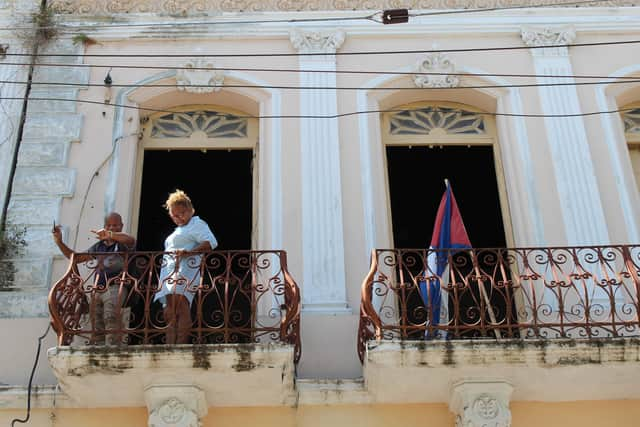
x: 316, y: 129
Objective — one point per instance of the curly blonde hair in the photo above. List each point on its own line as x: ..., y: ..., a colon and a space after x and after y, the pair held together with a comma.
x: 178, y: 197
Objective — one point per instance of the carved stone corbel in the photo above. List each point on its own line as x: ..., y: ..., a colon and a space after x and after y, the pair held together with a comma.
x: 175, y: 405
x: 480, y: 403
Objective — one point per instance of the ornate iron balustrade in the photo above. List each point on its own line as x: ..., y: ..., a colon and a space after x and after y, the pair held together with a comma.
x: 562, y: 292
x: 238, y: 297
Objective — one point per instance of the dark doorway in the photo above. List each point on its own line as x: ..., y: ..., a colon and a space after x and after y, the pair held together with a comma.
x: 219, y: 183
x: 416, y: 185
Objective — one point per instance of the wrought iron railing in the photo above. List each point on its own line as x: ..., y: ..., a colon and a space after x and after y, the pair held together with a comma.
x: 238, y: 297
x: 544, y: 293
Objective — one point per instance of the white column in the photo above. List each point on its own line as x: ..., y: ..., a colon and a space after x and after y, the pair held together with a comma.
x: 483, y: 403
x: 580, y: 203
x: 322, y: 233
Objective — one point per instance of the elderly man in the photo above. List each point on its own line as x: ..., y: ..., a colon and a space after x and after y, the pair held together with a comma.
x: 108, y: 295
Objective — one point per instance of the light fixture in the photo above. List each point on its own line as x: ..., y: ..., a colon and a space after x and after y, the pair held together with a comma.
x: 108, y: 81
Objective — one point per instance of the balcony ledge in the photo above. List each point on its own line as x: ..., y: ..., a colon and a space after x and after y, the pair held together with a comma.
x: 539, y: 370
x: 229, y: 374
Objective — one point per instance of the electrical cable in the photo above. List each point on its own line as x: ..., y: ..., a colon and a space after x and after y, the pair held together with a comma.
x: 313, y: 54
x: 33, y: 371
x: 296, y: 70
x: 326, y: 116
x: 338, y: 88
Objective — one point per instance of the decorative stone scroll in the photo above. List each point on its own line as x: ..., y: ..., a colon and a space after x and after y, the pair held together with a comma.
x: 317, y: 41
x: 173, y: 413
x: 198, y: 76
x: 175, y: 405
x: 481, y: 403
x: 437, y: 65
x: 548, y: 36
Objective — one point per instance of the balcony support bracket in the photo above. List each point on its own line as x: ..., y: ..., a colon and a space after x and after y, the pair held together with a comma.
x: 175, y: 405
x: 479, y: 403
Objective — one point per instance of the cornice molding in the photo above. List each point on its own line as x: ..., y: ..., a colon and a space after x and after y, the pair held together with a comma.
x: 191, y: 7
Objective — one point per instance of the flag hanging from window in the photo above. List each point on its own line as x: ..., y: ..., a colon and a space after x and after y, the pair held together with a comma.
x: 449, y: 234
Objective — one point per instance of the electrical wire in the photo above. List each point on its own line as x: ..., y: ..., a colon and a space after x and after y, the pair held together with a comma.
x: 325, y: 116
x: 33, y: 371
x: 337, y: 88
x: 312, y: 54
x: 346, y: 72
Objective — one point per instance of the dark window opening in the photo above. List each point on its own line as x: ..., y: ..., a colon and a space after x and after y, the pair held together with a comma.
x: 416, y: 185
x: 220, y: 185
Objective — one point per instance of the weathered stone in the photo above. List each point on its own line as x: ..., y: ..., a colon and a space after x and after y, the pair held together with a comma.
x: 65, y: 127
x: 24, y: 304
x: 39, y: 154
x: 60, y: 75
x: 34, y: 273
x: 39, y: 242
x: 33, y: 211
x: 44, y: 181
x: 61, y: 106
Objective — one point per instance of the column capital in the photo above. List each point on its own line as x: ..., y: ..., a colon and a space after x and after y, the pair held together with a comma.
x: 548, y: 36
x: 481, y: 403
x: 325, y: 41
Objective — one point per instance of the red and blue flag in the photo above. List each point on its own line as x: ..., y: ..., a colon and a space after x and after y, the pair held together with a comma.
x: 449, y: 236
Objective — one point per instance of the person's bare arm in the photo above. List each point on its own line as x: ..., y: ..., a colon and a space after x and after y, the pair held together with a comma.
x: 117, y: 236
x: 66, y: 250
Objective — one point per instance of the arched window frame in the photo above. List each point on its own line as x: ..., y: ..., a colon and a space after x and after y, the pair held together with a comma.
x: 438, y: 137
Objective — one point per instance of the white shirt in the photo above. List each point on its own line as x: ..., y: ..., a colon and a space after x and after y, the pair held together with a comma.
x: 185, y: 278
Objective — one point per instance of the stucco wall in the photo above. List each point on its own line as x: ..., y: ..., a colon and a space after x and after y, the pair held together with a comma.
x: 524, y: 414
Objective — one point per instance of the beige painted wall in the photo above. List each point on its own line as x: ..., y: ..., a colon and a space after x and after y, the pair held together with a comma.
x: 623, y: 413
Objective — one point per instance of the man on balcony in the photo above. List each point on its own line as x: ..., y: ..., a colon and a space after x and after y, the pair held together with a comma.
x: 108, y: 294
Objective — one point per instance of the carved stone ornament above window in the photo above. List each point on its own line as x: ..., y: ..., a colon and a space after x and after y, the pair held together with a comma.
x: 212, y: 123
x: 424, y: 121
x: 631, y: 121
x: 187, y: 7
x: 198, y: 76
x: 548, y: 36
x: 326, y: 41
x: 438, y: 65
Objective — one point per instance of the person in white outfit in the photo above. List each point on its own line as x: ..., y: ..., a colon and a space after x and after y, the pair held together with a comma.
x: 180, y: 274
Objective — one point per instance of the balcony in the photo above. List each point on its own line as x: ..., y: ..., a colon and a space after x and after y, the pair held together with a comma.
x: 554, y: 323
x: 243, y: 341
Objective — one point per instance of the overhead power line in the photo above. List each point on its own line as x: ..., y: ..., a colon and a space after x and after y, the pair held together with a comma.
x: 352, y: 88
x: 302, y: 54
x: 319, y: 116
x: 338, y: 71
